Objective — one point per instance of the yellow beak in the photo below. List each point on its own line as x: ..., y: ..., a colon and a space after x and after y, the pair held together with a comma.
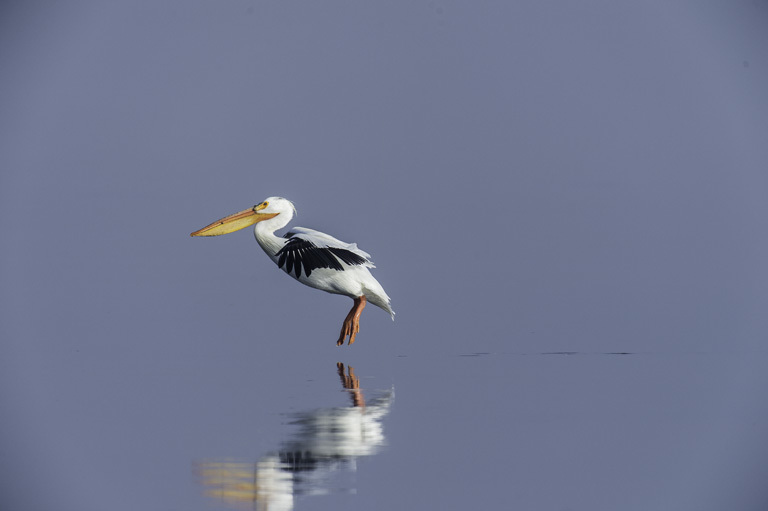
x: 235, y: 222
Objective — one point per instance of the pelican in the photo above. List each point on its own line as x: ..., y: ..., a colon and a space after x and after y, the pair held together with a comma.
x: 313, y: 258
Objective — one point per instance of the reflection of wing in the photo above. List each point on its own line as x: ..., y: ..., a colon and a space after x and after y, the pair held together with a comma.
x: 342, y: 432
x: 312, y: 249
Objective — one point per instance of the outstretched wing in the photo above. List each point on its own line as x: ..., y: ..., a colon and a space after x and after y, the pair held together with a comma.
x: 308, y: 249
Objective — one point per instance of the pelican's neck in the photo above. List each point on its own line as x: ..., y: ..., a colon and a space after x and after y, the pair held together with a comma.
x: 265, y: 233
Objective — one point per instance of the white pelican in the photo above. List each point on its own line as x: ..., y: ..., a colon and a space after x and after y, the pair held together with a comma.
x: 311, y: 257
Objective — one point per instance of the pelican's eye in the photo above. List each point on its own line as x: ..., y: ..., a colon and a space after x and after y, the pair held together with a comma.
x: 259, y: 207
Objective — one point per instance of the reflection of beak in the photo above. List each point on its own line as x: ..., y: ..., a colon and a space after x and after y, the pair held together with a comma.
x: 235, y: 222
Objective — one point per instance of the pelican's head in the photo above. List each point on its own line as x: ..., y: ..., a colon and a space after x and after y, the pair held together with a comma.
x: 266, y: 210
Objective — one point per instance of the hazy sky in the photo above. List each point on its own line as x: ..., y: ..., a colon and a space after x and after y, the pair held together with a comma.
x: 529, y: 177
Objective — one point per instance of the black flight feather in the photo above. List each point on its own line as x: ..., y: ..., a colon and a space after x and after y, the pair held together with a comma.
x: 298, y: 252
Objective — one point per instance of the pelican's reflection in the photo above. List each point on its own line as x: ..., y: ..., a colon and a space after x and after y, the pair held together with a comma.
x: 328, y: 441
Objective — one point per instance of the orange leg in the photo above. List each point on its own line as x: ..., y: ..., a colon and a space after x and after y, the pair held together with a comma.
x: 351, y: 324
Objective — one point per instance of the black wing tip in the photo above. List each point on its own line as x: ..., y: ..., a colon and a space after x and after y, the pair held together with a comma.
x: 348, y: 256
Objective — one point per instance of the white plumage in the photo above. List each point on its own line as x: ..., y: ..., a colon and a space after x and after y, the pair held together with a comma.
x: 312, y: 257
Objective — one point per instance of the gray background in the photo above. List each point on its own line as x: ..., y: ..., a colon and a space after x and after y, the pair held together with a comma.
x: 543, y: 185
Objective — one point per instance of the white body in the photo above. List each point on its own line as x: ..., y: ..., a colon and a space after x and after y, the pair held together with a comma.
x: 352, y: 280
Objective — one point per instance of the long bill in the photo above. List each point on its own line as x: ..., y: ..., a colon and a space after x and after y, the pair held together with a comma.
x: 235, y: 222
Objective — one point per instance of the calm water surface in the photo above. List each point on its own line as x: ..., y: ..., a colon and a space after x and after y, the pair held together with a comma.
x: 242, y: 425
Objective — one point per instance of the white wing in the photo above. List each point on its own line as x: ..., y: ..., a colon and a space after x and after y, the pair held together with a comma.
x: 308, y: 250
